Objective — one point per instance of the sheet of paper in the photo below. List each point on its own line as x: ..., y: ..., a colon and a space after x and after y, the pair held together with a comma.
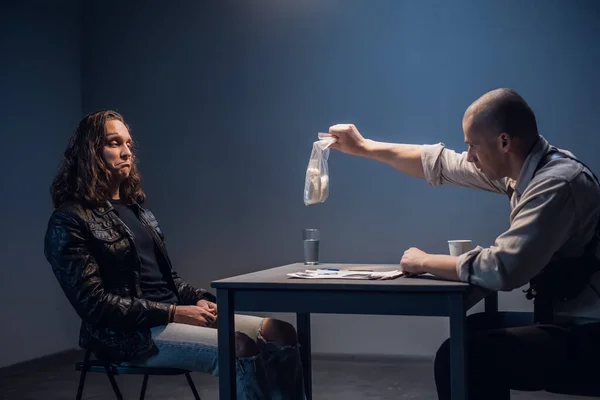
x: 345, y: 274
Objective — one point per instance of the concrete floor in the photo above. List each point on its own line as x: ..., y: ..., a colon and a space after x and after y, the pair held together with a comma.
x: 53, y: 378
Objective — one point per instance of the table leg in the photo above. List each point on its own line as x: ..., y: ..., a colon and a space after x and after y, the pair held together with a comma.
x: 491, y: 303
x: 303, y: 328
x: 225, y: 326
x: 458, y: 347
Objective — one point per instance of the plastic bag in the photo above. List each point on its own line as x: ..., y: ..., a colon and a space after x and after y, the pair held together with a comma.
x: 316, y: 183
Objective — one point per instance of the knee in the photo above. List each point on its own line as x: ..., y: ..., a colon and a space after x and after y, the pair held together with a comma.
x: 244, y: 346
x: 278, y: 331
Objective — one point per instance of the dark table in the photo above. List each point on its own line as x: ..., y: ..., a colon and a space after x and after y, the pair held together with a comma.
x: 272, y: 291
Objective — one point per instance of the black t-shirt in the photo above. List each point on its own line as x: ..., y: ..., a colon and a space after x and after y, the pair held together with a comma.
x: 153, y: 284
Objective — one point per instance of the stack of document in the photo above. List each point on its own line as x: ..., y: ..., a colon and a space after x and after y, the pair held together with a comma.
x: 347, y: 274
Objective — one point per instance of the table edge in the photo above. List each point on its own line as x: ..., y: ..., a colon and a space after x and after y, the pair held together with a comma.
x: 339, y: 286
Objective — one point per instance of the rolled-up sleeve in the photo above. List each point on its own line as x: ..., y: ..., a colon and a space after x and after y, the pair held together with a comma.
x: 540, y: 224
x: 444, y: 166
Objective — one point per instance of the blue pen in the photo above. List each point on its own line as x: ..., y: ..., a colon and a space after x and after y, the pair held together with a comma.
x: 331, y: 269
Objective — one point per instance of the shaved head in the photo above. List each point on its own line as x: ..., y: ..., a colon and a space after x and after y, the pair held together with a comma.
x: 503, y: 111
x: 500, y: 130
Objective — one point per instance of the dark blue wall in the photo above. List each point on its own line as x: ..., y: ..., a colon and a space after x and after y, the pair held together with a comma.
x: 40, y: 103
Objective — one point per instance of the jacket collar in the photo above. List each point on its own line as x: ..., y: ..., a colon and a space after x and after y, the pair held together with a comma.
x: 103, y: 209
x: 108, y: 207
x: 539, y: 150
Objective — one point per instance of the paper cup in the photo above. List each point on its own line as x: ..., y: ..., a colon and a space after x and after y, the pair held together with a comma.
x: 458, y: 247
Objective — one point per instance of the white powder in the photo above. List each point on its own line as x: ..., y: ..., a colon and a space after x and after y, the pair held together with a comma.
x: 324, y: 187
x: 317, y: 186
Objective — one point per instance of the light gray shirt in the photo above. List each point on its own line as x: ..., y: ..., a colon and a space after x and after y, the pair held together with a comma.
x: 553, y: 214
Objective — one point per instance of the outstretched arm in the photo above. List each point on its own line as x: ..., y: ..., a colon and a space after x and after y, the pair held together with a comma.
x: 406, y: 158
x: 435, y: 163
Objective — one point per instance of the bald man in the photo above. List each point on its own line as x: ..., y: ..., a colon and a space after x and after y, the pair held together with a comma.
x: 555, y: 209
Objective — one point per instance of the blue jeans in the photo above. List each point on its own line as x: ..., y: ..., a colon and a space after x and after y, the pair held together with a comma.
x: 274, y: 374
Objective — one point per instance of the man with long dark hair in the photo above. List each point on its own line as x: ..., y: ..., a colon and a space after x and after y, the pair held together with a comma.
x: 109, y: 256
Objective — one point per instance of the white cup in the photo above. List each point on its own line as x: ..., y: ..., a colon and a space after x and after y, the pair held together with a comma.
x: 458, y: 247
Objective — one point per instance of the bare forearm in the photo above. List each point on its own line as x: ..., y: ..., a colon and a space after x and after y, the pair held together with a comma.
x: 441, y: 265
x: 406, y: 158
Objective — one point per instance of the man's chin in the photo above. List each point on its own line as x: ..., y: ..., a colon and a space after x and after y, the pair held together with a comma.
x: 121, y: 177
x: 481, y: 171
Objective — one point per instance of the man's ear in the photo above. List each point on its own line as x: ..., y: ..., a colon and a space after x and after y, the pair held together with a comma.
x: 505, y: 142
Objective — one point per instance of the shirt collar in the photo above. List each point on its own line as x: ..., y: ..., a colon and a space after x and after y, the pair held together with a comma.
x: 539, y: 150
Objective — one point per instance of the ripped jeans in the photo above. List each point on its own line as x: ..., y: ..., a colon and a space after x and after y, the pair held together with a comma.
x: 274, y: 374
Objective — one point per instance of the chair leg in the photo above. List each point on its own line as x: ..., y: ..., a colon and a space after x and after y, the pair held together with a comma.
x: 113, y: 382
x: 192, y: 386
x: 86, y: 362
x: 144, y: 385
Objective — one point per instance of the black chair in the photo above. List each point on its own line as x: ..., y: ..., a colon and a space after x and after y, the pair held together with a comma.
x: 111, y: 370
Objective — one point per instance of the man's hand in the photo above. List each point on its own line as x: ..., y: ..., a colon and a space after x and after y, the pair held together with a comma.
x: 208, y: 305
x: 348, y: 139
x: 211, y: 308
x: 413, y: 261
x: 194, y: 315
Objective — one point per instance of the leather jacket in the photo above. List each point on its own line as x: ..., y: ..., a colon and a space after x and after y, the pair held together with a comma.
x: 94, y: 259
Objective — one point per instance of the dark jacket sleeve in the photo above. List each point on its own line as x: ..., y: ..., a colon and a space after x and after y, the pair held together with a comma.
x: 66, y: 247
x: 189, y: 294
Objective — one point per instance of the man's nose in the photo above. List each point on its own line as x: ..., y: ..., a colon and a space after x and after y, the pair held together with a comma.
x: 126, y: 152
x: 470, y: 157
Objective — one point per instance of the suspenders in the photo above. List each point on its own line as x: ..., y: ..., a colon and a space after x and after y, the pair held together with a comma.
x: 541, y: 287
